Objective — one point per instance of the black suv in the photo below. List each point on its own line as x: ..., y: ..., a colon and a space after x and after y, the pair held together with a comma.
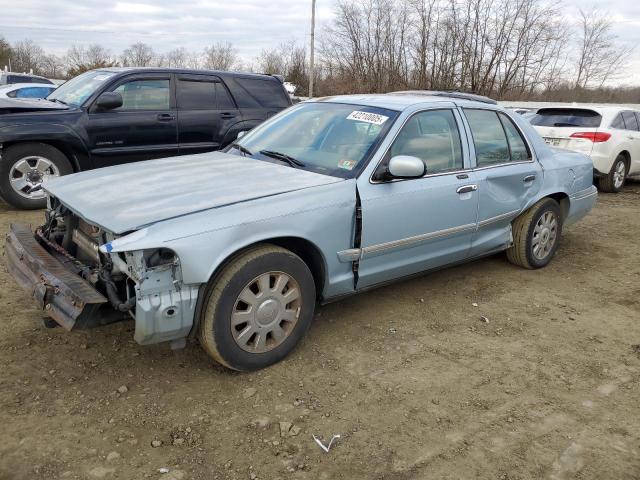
x: 118, y: 115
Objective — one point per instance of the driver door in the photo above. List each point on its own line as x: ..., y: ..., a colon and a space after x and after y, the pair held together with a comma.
x: 413, y: 225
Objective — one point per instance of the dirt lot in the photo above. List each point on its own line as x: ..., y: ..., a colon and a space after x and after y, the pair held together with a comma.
x: 416, y: 383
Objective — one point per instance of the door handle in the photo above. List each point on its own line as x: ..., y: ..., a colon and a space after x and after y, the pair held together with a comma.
x: 529, y: 178
x: 227, y: 115
x: 467, y: 189
x: 166, y: 117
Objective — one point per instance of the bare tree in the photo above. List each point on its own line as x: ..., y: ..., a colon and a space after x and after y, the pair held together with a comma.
x: 5, y: 53
x: 180, y: 58
x: 599, y: 55
x: 138, y: 55
x: 27, y: 56
x: 80, y: 59
x: 52, y: 66
x: 220, y: 56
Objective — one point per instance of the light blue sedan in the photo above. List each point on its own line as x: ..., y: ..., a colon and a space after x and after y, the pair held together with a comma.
x: 326, y: 199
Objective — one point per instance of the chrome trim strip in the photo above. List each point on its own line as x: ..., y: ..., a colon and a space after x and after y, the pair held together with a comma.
x: 584, y: 193
x: 348, y: 256
x: 409, y: 241
x: 592, y: 194
x: 497, y: 218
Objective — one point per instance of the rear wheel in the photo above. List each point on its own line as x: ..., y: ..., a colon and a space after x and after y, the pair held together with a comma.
x: 615, y: 179
x: 536, y: 235
x: 258, y: 308
x: 23, y: 169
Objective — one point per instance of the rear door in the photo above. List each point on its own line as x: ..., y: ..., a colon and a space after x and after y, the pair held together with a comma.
x: 507, y: 173
x: 206, y: 113
x: 632, y: 133
x: 144, y: 127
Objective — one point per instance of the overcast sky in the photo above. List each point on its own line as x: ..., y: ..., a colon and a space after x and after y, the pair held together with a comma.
x: 250, y: 25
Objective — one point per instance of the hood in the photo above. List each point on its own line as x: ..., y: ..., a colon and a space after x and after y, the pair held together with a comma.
x: 127, y: 197
x: 25, y: 105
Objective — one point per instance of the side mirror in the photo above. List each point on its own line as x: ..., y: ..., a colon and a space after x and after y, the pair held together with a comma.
x: 406, y: 166
x: 109, y: 101
x: 241, y: 134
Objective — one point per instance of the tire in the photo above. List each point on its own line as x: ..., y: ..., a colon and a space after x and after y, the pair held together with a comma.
x: 23, y: 166
x: 256, y: 340
x: 530, y: 229
x: 615, y: 179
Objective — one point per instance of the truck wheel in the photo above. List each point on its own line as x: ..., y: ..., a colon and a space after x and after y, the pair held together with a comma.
x: 257, y: 309
x: 614, y: 180
x: 23, y: 168
x: 536, y: 235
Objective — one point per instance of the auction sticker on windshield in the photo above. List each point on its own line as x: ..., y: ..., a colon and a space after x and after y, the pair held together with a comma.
x: 367, y: 117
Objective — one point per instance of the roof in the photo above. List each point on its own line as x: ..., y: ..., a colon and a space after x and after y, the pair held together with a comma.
x: 221, y: 73
x: 397, y: 101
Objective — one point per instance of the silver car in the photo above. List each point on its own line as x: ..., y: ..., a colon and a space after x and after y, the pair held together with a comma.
x: 326, y: 199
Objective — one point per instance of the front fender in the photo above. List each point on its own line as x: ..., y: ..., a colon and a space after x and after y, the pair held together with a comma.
x: 323, y: 216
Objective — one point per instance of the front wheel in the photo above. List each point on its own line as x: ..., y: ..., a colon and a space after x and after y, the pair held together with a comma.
x: 257, y: 309
x: 23, y: 168
x: 536, y: 235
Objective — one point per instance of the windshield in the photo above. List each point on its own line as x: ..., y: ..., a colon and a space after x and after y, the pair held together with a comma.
x: 566, y: 117
x: 78, y: 89
x: 330, y: 138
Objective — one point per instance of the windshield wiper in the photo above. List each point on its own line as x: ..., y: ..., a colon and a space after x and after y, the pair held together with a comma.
x: 58, y: 101
x: 294, y: 162
x: 245, y: 151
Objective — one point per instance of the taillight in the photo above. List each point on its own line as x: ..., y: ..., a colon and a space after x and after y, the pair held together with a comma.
x: 595, y: 137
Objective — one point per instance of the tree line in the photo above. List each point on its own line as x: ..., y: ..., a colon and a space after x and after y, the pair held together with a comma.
x: 506, y: 49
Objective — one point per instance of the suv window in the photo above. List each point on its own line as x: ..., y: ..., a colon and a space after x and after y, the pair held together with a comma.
x: 630, y: 121
x: 196, y: 95
x: 433, y: 137
x: 618, y: 122
x: 566, y: 117
x: 268, y: 93
x: 225, y: 102
x: 144, y: 95
x: 489, y: 137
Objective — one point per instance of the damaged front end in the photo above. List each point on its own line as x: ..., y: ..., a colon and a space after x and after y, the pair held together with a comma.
x: 81, y: 285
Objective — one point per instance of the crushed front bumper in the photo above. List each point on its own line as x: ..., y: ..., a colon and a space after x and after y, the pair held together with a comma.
x: 64, y: 296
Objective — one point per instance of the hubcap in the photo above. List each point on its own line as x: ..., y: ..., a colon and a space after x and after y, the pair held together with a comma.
x: 28, y: 173
x: 545, y: 234
x: 266, y: 312
x: 619, y: 174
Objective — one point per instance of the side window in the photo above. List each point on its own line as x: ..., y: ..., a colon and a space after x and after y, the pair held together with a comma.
x: 195, y: 95
x: 144, y: 95
x: 32, y: 92
x: 268, y: 92
x: 433, y: 137
x: 13, y: 94
x: 618, y: 122
x: 630, y: 121
x: 489, y: 137
x: 225, y: 102
x: 517, y: 145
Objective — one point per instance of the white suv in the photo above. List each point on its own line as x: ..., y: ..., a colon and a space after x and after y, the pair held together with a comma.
x: 609, y: 135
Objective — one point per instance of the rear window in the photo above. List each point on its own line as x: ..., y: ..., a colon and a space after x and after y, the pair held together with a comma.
x: 566, y: 117
x: 268, y: 93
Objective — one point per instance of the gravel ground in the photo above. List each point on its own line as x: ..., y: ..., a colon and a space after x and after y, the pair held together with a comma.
x: 417, y: 383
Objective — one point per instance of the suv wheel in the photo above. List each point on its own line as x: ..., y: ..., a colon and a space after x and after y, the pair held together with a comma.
x: 24, y: 167
x: 614, y: 180
x: 536, y: 235
x: 257, y: 309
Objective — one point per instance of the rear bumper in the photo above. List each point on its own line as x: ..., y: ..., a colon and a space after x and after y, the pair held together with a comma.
x: 63, y: 295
